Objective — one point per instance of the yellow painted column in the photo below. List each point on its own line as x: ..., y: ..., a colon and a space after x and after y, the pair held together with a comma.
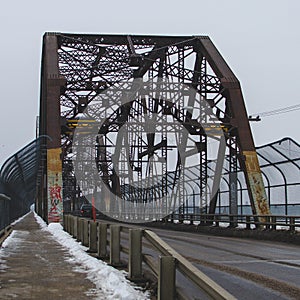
x: 256, y: 183
x: 54, y: 176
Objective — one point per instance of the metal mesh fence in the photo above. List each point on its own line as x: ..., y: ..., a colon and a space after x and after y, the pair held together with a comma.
x: 280, y: 166
x: 18, y: 181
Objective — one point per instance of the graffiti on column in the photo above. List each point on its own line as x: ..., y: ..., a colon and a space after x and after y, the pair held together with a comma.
x: 55, y: 203
x: 256, y: 183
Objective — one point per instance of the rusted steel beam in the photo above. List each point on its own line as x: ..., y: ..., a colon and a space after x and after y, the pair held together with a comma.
x: 239, y: 122
x: 93, y: 63
x: 51, y: 86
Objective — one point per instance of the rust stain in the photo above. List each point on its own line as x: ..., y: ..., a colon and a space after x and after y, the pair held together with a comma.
x: 256, y: 183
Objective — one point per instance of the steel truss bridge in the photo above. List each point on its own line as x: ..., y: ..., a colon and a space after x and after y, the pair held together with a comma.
x: 143, y: 118
x: 150, y: 128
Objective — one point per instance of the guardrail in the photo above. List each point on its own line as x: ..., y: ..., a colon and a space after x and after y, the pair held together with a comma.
x: 105, y: 240
x: 5, y: 205
x: 4, y: 233
x: 250, y: 221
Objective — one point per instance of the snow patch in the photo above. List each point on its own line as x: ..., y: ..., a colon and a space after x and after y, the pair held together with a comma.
x: 9, y: 245
x: 14, y: 239
x: 106, y: 278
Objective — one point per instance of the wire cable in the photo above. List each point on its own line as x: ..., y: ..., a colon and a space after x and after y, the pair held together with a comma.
x: 278, y: 111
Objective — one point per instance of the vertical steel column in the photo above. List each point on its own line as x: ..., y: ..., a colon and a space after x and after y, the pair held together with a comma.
x: 233, y: 201
x: 50, y: 125
x: 248, y: 158
x: 239, y: 121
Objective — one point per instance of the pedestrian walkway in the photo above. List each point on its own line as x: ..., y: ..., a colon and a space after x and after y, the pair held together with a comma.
x: 33, y: 266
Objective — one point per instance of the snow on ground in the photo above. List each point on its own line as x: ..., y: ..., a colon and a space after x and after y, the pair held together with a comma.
x: 106, y: 278
x: 11, y: 241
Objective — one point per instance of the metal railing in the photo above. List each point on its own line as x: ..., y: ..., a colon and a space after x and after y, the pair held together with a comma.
x: 18, y: 181
x: 110, y: 240
x: 5, y: 203
x: 4, y: 233
x: 273, y: 222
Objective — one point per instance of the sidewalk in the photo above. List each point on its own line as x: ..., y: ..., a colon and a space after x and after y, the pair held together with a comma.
x: 33, y: 265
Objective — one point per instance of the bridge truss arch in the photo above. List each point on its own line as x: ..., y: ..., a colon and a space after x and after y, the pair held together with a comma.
x: 78, y: 69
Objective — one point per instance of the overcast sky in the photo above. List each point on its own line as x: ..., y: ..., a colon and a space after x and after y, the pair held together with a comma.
x: 260, y: 40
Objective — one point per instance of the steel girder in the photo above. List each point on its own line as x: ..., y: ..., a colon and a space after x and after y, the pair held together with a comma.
x: 77, y: 68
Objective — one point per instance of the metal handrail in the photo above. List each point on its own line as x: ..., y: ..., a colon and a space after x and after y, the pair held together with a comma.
x: 150, y: 239
x: 79, y: 229
x: 4, y: 233
x: 188, y: 269
x: 262, y: 221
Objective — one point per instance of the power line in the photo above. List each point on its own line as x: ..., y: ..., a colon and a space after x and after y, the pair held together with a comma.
x: 277, y: 111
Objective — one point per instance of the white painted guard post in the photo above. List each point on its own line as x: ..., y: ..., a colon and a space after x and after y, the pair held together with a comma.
x: 135, y: 255
x: 102, y: 241
x: 166, y: 278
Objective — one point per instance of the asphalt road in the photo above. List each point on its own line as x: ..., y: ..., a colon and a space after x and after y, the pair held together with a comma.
x: 248, y: 269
